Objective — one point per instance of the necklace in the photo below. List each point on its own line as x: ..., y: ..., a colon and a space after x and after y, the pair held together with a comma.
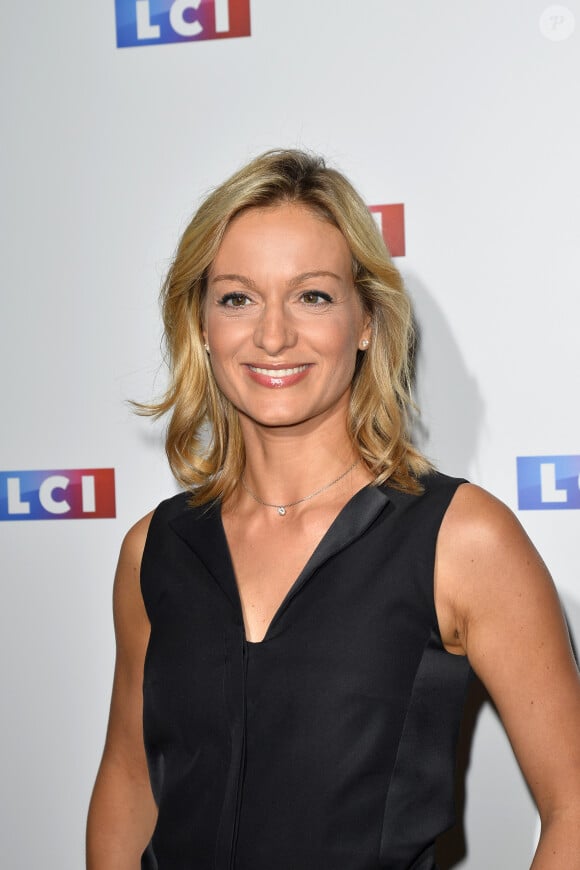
x: 281, y: 508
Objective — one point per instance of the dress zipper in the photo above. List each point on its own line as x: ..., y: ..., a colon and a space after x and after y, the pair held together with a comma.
x: 242, y: 763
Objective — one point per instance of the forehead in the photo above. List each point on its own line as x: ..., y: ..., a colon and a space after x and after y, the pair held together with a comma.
x: 286, y: 236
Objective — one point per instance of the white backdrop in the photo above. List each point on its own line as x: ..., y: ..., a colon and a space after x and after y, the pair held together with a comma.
x: 466, y: 112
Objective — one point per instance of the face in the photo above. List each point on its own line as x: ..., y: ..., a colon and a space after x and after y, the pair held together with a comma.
x: 283, y: 319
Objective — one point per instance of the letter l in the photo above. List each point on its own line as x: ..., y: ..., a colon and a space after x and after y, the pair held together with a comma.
x: 146, y: 30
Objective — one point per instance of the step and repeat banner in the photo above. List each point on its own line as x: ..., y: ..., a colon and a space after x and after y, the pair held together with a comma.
x: 459, y: 124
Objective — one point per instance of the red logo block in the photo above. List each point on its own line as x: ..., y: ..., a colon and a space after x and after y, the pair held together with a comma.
x: 391, y: 223
x: 70, y: 494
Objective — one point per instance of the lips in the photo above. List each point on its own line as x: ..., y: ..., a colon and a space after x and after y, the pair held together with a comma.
x: 276, y: 376
x: 278, y: 373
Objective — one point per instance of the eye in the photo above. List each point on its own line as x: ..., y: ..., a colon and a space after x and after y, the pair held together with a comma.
x: 316, y: 297
x: 234, y: 300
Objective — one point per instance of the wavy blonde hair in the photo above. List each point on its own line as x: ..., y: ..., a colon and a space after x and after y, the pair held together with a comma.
x: 204, y: 442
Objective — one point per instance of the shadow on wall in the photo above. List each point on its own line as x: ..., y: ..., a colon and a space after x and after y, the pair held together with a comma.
x: 447, y: 394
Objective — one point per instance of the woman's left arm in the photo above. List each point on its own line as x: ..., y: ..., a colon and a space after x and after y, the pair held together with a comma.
x: 503, y: 611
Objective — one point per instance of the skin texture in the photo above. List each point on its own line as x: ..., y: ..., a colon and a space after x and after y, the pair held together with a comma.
x: 122, y: 812
x: 494, y: 598
x: 268, y: 306
x: 496, y: 603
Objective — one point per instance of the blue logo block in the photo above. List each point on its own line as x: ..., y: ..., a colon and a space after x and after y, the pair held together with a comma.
x: 548, y: 482
x: 154, y: 22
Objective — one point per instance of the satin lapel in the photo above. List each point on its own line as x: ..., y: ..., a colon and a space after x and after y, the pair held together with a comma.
x: 352, y: 522
x: 203, y: 532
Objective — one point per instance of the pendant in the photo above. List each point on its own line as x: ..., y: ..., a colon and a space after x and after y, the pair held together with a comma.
x: 282, y: 511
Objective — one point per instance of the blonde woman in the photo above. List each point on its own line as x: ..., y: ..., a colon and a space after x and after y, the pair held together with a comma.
x: 295, y: 632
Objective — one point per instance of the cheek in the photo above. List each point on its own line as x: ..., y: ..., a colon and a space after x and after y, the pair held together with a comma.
x: 342, y: 342
x: 218, y: 335
x: 223, y: 341
x: 222, y: 376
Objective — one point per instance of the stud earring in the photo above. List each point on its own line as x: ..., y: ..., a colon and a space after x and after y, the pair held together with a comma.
x: 364, y: 344
x: 206, y: 347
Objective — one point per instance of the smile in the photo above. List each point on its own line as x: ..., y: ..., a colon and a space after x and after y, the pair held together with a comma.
x: 278, y: 373
x: 278, y: 378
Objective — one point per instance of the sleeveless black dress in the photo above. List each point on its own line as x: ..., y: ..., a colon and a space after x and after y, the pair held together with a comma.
x: 331, y: 744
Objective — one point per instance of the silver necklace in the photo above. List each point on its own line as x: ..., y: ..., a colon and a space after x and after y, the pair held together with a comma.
x: 282, y: 508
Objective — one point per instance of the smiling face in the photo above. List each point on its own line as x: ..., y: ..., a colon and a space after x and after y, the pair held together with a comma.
x: 283, y: 319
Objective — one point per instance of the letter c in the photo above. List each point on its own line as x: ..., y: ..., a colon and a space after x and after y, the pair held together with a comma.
x: 45, y: 491
x: 178, y: 22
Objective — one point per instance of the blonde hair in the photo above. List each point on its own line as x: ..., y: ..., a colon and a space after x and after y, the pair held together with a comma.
x: 204, y: 442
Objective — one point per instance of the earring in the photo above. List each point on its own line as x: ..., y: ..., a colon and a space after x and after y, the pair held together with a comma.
x: 364, y: 344
x: 206, y: 347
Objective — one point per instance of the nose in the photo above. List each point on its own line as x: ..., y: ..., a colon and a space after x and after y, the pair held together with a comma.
x: 275, y: 331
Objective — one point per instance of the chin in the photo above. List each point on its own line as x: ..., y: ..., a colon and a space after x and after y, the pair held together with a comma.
x: 273, y: 418
x: 281, y: 421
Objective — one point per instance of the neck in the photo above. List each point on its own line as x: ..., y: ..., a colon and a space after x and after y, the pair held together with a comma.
x: 284, y: 465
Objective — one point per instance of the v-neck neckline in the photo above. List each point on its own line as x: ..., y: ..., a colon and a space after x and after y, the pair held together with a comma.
x: 209, y: 541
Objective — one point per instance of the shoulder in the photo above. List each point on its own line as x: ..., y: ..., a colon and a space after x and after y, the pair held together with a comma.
x: 487, y: 568
x: 478, y: 526
x: 135, y: 541
x: 156, y: 520
x: 172, y: 507
x: 126, y: 591
x: 435, y: 490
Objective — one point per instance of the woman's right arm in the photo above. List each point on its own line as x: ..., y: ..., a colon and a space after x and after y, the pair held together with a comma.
x: 122, y: 811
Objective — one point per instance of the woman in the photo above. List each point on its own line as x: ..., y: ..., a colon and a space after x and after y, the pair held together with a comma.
x: 312, y: 605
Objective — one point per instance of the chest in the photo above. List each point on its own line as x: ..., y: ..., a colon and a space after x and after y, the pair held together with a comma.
x: 297, y: 740
x: 349, y: 628
x: 266, y: 564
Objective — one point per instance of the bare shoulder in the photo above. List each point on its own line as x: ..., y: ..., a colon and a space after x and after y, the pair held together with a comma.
x: 477, y: 518
x: 128, y: 603
x: 134, y: 541
x: 481, y: 532
x: 486, y: 562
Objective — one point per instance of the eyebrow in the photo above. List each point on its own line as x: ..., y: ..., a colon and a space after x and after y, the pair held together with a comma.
x: 294, y: 282
x: 239, y: 279
x: 306, y: 276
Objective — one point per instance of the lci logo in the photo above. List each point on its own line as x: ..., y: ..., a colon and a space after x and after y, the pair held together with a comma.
x: 391, y: 222
x: 151, y: 22
x: 548, y: 482
x: 79, y: 494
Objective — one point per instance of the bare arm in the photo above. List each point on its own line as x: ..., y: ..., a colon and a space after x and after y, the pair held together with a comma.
x: 122, y: 811
x: 499, y: 605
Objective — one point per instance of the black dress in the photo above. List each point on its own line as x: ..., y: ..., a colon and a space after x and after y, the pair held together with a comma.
x: 331, y: 744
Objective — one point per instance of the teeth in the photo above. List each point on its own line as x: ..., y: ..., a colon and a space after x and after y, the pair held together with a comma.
x: 278, y: 373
